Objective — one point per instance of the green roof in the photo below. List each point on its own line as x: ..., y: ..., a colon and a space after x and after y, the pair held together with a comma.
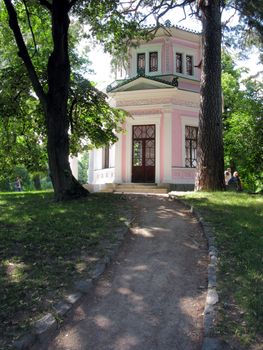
x: 118, y: 83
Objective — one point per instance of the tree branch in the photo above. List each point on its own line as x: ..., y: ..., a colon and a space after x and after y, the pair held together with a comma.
x: 72, y: 3
x: 23, y: 53
x: 30, y: 26
x: 46, y: 4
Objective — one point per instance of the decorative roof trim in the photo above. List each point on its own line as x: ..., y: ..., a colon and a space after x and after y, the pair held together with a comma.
x: 173, y: 83
x: 151, y: 26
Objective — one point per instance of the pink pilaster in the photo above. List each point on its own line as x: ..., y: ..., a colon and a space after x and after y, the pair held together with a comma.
x: 177, y: 140
x: 162, y: 155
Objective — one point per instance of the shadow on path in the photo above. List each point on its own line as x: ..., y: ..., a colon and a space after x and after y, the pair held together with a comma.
x: 152, y: 296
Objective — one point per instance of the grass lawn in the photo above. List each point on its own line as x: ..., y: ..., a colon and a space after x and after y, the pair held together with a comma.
x: 238, y: 222
x: 44, y: 246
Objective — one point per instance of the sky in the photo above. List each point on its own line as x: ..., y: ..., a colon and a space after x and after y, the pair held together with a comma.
x: 101, y: 61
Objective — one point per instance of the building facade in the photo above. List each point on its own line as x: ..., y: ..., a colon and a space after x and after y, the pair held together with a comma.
x: 161, y: 92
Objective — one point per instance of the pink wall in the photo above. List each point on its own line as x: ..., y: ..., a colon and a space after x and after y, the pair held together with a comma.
x: 176, y: 139
x: 189, y: 86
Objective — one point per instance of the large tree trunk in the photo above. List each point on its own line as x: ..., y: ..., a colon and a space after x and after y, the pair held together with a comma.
x: 210, y: 153
x: 65, y: 185
x: 54, y: 103
x: 57, y: 120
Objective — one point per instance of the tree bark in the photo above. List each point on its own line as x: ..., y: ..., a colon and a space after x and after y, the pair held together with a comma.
x: 210, y: 152
x: 65, y: 185
x: 37, y: 182
x: 55, y: 102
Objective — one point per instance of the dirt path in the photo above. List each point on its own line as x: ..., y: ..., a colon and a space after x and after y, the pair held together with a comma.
x: 153, y: 295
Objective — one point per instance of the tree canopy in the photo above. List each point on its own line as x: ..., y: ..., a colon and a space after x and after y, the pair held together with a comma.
x: 243, y: 124
x: 70, y: 107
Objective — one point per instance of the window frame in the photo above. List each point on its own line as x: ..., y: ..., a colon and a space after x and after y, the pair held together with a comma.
x: 186, y: 121
x: 152, y: 68
x: 146, y: 49
x: 181, y: 54
x: 141, y: 69
x: 185, y: 51
x: 191, y: 158
x: 106, y: 157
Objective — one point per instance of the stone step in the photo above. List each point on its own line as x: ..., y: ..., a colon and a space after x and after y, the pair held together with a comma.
x: 140, y: 188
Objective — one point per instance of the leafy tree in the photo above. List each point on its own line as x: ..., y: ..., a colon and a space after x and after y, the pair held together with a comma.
x: 47, y: 63
x: 243, y: 124
x: 115, y: 23
x: 83, y: 168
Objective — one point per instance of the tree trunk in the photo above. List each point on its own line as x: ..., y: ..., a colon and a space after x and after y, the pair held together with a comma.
x: 55, y: 102
x: 57, y: 120
x: 210, y: 153
x: 37, y: 182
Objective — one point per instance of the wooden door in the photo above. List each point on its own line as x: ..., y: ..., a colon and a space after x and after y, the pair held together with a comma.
x: 143, y: 153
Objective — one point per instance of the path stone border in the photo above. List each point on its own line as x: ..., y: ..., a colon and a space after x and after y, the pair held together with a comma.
x: 210, y: 342
x: 46, y: 327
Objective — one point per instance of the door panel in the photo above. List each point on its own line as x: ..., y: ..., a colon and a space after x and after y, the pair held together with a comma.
x: 143, y: 153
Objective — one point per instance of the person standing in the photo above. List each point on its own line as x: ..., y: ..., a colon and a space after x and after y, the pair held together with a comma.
x: 235, y: 180
x: 227, y: 176
x: 18, y: 184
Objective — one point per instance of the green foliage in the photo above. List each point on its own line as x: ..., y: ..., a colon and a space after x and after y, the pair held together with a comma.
x: 23, y: 133
x: 83, y: 168
x: 92, y: 118
x: 243, y: 125
x: 238, y: 221
x: 249, y: 30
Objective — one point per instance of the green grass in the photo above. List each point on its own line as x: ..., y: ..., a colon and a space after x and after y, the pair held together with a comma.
x: 44, y: 246
x: 238, y: 222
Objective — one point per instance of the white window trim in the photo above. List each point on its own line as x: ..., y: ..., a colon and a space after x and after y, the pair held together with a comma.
x: 186, y: 121
x: 185, y: 52
x: 147, y: 49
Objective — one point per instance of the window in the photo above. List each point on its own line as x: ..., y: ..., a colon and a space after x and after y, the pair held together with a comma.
x: 191, y: 133
x: 153, y: 61
x: 179, y: 62
x: 106, y: 157
x: 141, y: 63
x: 189, y: 65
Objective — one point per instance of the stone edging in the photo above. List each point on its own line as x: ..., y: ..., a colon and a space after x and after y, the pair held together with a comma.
x: 210, y: 342
x: 46, y: 327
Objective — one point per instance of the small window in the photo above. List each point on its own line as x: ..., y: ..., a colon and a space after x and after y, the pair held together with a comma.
x: 189, y: 65
x: 179, y: 62
x: 191, y: 133
x: 153, y: 61
x: 141, y: 63
x: 106, y: 157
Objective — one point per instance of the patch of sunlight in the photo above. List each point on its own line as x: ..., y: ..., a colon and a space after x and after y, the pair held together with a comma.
x: 99, y: 216
x: 15, y: 271
x: 61, y: 210
x: 192, y: 305
x: 80, y: 266
x: 140, y: 268
x: 142, y: 232
x: 124, y: 291
x: 102, y: 322
x: 126, y: 342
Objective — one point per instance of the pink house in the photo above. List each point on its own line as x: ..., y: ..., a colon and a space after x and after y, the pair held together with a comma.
x: 160, y: 90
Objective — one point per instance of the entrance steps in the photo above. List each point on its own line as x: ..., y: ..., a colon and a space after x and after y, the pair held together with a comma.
x: 141, y: 188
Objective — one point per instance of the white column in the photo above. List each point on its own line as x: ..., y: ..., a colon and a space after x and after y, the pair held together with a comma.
x: 73, y: 161
x: 91, y: 167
